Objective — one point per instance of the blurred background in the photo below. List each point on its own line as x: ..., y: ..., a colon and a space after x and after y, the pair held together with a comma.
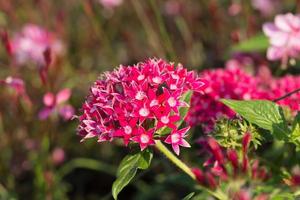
x: 41, y: 155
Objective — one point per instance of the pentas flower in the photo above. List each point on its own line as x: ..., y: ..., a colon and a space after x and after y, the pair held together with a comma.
x: 284, y: 36
x: 281, y: 86
x: 176, y: 139
x: 232, y: 83
x: 136, y: 102
x: 56, y: 103
x: 31, y: 43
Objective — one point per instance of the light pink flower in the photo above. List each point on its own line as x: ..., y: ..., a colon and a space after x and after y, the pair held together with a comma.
x: 135, y: 102
x: 30, y: 44
x: 110, y: 4
x: 265, y: 7
x: 284, y: 37
x: 56, y: 103
x: 58, y: 156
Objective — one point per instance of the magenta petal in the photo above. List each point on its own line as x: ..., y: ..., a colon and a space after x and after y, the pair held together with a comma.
x: 184, y: 143
x: 168, y: 139
x: 66, y: 112
x: 63, y: 95
x: 44, y: 113
x: 49, y: 99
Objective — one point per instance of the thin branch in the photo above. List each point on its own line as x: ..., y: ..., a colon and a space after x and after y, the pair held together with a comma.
x: 286, y: 95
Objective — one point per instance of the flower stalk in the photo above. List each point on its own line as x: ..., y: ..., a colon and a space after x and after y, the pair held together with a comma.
x: 181, y: 165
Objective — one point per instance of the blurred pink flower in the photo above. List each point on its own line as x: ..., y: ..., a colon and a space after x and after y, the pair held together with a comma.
x: 110, y: 4
x: 234, y: 9
x: 231, y: 83
x: 58, y: 156
x: 134, y: 102
x: 172, y: 7
x: 284, y: 36
x: 18, y: 86
x: 30, y: 44
x: 56, y: 103
x: 265, y: 7
x: 281, y: 86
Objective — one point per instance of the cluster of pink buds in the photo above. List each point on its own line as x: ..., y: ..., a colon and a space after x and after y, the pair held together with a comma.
x: 136, y: 102
x: 215, y: 167
x: 56, y: 103
x: 284, y: 36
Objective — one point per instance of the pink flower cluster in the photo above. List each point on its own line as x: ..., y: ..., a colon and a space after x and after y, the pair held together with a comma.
x: 282, y: 86
x: 31, y: 43
x: 135, y: 102
x: 284, y: 36
x: 235, y: 83
x: 222, y: 83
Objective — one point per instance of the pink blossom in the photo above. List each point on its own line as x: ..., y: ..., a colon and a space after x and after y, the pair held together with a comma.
x: 265, y: 7
x: 176, y: 138
x: 284, y: 37
x: 58, y: 156
x: 110, y: 4
x: 56, y: 103
x: 31, y: 42
x: 135, y: 102
x: 231, y: 83
x: 281, y: 86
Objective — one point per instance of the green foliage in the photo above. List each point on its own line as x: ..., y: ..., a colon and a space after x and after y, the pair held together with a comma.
x: 264, y: 114
x: 128, y: 168
x: 257, y: 43
x: 229, y: 133
x: 189, y: 196
x: 295, y: 134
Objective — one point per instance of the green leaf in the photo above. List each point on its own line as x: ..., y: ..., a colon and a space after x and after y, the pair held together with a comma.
x: 295, y: 134
x: 283, y: 196
x: 189, y: 196
x: 265, y: 114
x: 128, y: 168
x: 257, y: 43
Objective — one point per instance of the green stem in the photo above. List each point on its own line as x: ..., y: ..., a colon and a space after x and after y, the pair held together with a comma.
x: 162, y: 148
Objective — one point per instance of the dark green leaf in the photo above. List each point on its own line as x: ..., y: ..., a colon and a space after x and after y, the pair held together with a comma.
x: 295, y: 134
x: 257, y: 43
x: 189, y: 196
x: 128, y: 168
x: 265, y: 114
